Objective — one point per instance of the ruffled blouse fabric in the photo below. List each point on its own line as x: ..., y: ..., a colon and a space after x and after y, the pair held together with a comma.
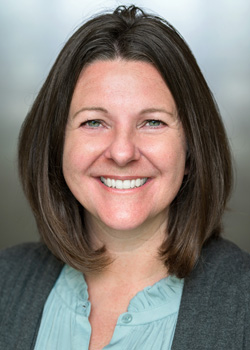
x: 149, y: 322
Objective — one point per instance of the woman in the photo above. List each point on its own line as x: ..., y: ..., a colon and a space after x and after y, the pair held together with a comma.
x: 126, y: 165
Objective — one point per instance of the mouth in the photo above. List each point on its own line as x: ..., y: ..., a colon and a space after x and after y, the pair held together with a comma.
x: 124, y: 184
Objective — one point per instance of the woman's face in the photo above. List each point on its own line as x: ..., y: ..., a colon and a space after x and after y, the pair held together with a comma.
x: 124, y: 152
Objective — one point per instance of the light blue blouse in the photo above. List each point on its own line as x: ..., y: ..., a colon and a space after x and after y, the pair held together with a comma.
x: 149, y: 322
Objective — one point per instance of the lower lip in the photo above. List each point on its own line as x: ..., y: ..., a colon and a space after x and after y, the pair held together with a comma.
x: 127, y: 190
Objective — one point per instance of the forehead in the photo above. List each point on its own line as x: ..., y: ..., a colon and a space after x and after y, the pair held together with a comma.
x: 125, y: 69
x: 124, y: 82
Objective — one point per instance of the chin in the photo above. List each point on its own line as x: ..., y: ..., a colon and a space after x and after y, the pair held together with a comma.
x: 123, y: 223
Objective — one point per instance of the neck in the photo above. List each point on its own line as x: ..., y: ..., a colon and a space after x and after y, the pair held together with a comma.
x: 134, y: 253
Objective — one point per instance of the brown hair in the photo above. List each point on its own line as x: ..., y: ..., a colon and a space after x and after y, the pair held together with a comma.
x: 195, y: 214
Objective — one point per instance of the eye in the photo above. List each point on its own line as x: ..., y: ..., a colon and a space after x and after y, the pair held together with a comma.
x: 154, y: 123
x: 92, y: 123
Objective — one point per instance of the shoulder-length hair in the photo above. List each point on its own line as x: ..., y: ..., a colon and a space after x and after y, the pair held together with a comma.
x: 195, y: 214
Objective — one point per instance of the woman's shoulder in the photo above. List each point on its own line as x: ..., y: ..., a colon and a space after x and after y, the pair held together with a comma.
x: 28, y: 272
x: 227, y: 255
x: 26, y: 255
x: 19, y: 251
x: 216, y: 300
x: 21, y: 263
x: 223, y: 263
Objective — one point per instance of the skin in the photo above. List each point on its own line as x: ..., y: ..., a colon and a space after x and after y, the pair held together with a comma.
x: 123, y: 124
x: 122, y: 96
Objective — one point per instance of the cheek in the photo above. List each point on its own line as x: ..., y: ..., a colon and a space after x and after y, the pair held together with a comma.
x: 73, y: 171
x: 72, y: 160
x: 174, y: 165
x: 168, y: 153
x: 83, y: 147
x: 74, y: 152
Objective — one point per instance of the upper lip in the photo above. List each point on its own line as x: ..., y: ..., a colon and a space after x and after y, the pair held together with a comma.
x: 117, y: 177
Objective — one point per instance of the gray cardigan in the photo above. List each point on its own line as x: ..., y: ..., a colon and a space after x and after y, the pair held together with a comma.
x: 214, y: 312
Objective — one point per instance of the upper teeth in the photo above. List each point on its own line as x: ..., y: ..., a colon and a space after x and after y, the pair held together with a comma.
x: 123, y: 184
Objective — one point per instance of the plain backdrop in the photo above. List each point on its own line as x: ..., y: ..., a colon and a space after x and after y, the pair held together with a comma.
x: 34, y: 31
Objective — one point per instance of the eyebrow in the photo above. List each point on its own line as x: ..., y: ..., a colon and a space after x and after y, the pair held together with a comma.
x: 97, y: 109
x: 103, y: 110
x: 156, y: 110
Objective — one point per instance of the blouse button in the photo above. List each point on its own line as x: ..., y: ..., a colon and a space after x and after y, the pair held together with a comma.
x: 127, y: 318
x: 84, y: 308
x: 85, y: 305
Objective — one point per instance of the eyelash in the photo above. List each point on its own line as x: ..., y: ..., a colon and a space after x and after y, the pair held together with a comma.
x: 155, y: 120
x: 88, y: 122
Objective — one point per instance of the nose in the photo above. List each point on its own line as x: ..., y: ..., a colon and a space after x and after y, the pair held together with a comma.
x: 122, y: 148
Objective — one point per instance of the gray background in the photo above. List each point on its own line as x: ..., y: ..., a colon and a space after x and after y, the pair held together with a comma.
x: 32, y: 34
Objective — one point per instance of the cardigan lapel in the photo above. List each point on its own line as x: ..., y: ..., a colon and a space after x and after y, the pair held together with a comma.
x: 191, y: 317
x: 214, y: 301
x: 31, y: 272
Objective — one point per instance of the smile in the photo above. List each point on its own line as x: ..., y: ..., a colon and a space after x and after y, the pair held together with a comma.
x: 123, y: 184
